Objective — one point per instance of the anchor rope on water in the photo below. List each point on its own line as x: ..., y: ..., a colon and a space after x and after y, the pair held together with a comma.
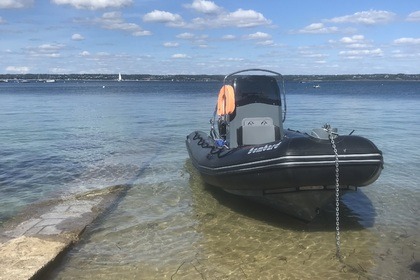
x: 327, y: 127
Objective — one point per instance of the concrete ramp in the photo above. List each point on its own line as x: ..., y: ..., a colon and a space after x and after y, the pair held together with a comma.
x: 34, y: 239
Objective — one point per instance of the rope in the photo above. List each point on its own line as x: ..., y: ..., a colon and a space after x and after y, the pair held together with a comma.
x: 214, y: 150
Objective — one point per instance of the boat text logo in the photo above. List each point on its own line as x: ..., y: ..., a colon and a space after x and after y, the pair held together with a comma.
x: 261, y: 149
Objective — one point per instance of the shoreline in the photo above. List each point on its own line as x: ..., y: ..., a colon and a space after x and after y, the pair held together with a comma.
x: 48, y: 78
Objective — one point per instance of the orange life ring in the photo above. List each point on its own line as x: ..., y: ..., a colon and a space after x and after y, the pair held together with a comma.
x: 226, y: 100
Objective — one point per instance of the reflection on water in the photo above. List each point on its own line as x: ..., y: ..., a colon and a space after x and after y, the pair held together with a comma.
x: 183, y: 229
x: 242, y: 239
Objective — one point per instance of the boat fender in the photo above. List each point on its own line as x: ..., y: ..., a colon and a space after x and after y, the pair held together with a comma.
x: 260, y: 149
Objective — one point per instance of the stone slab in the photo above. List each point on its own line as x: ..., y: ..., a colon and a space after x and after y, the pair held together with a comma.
x: 33, y: 240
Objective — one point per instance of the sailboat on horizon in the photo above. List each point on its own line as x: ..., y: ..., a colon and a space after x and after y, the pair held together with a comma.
x: 119, y: 77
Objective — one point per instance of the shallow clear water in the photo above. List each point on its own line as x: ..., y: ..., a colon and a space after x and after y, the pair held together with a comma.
x: 72, y: 137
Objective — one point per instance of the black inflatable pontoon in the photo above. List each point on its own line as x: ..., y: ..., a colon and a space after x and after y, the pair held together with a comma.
x: 249, y: 153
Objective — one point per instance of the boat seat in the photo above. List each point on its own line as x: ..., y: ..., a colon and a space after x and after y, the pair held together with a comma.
x: 255, y: 131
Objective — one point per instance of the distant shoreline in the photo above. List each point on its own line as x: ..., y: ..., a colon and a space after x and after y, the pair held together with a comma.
x: 199, y: 78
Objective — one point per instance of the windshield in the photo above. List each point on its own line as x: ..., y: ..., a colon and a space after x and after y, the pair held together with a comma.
x: 256, y: 89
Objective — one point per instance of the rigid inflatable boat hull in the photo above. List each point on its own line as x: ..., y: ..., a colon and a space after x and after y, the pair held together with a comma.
x: 296, y: 173
x: 296, y: 161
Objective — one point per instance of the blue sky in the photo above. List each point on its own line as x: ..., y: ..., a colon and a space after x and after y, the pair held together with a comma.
x: 209, y: 37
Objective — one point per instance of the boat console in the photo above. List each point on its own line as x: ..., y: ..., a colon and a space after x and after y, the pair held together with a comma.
x: 257, y: 116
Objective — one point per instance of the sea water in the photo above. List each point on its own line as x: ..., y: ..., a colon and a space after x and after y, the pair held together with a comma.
x: 65, y: 138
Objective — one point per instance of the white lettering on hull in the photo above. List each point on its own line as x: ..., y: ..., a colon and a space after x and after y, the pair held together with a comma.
x: 260, y: 149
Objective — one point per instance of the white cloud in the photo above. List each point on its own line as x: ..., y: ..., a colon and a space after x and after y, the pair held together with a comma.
x: 180, y: 56
x: 241, y: 18
x: 263, y: 39
x: 353, y: 39
x: 215, y: 17
x: 266, y: 43
x: 186, y: 36
x: 171, y: 44
x: 355, y: 42
x: 415, y: 16
x: 15, y: 4
x: 114, y: 21
x: 173, y: 20
x: 77, y: 37
x: 58, y: 70
x: 203, y: 6
x: 407, y: 41
x: 258, y: 36
x: 405, y: 55
x: 370, y: 17
x: 197, y: 40
x: 229, y: 37
x: 318, y: 28
x: 311, y: 54
x: 235, y: 59
x: 359, y: 54
x: 46, y: 50
x: 365, y: 17
x: 94, y: 4
x: 17, y: 69
x: 358, y: 46
x: 85, y: 53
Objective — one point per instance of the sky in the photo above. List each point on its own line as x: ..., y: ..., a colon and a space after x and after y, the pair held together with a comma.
x: 293, y: 37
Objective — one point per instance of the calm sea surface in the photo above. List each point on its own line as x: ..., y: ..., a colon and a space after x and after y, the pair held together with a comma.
x: 67, y: 138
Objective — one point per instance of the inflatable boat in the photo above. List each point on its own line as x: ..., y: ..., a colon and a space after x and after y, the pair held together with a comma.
x: 249, y: 153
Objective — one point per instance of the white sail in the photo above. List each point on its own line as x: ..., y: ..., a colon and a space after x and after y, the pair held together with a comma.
x: 119, y: 77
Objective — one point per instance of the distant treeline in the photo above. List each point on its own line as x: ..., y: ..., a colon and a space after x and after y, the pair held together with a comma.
x: 147, y: 77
